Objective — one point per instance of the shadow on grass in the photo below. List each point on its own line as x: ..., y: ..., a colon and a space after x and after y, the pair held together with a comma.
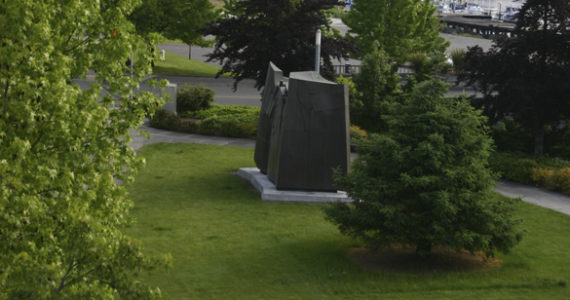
x: 403, y: 259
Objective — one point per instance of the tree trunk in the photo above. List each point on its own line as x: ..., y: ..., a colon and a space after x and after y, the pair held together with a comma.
x: 189, y: 51
x: 539, y: 141
x: 423, y: 248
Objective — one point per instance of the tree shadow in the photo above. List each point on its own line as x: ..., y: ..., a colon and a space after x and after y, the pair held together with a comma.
x: 403, y: 259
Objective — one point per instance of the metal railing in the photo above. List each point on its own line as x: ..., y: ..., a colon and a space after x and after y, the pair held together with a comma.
x: 349, y: 70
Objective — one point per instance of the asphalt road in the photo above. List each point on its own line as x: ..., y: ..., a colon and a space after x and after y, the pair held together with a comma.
x: 462, y: 42
x: 246, y: 93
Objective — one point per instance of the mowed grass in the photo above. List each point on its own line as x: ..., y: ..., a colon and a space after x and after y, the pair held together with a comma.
x: 228, y: 244
x: 178, y: 65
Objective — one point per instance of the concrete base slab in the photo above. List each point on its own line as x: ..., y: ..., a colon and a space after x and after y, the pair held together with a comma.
x: 270, y: 193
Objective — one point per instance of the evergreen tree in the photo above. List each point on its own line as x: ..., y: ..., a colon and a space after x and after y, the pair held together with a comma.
x: 281, y: 31
x: 426, y: 181
x: 65, y: 161
x: 526, y: 76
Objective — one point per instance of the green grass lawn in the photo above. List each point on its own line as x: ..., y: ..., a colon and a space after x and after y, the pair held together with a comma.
x: 178, y: 65
x: 227, y: 244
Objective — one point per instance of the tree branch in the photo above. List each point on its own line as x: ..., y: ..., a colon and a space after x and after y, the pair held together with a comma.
x: 74, y: 47
x: 62, y: 283
x: 79, y: 277
x: 5, y: 97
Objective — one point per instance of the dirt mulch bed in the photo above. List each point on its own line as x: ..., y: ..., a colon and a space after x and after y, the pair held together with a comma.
x: 402, y: 259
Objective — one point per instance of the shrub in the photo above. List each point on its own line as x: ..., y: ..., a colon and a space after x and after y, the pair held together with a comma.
x: 562, y: 180
x: 354, y: 100
x: 543, y: 177
x: 220, y: 120
x: 244, y: 112
x: 357, y: 135
x: 231, y: 127
x: 557, y: 142
x: 336, y: 12
x: 512, y: 166
x: 509, y: 136
x: 558, y: 180
x: 527, y: 169
x: 357, y: 132
x: 194, y: 98
x: 458, y: 59
x: 426, y: 181
x: 163, y: 119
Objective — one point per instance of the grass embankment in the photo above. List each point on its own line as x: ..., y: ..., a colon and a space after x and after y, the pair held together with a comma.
x: 227, y: 244
x: 178, y: 65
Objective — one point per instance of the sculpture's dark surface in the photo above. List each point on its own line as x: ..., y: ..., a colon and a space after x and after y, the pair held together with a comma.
x: 308, y: 133
x: 272, y: 93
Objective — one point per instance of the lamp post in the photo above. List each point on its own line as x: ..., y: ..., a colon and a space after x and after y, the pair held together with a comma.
x: 500, y: 10
x: 317, y: 50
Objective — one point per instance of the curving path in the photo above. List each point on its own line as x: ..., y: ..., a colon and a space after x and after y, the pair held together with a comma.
x: 540, y: 197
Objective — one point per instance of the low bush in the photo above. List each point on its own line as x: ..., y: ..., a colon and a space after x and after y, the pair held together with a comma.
x: 513, y: 166
x: 542, y: 176
x: 231, y: 127
x: 242, y: 111
x: 558, y: 180
x: 194, y: 98
x: 220, y: 120
x: 541, y: 171
x: 458, y: 58
x: 358, y: 136
x: 557, y: 142
x: 163, y: 119
x: 354, y: 100
x: 510, y: 136
x: 336, y: 12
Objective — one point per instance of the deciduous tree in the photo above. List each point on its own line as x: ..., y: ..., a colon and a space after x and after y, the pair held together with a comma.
x: 281, y: 31
x: 526, y: 76
x: 65, y: 159
x: 175, y: 19
x: 400, y: 26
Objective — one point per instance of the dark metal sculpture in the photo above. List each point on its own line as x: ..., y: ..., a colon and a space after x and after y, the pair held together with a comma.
x: 307, y: 122
x: 273, y: 93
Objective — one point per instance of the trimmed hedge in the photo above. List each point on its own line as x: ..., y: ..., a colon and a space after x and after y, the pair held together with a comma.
x: 246, y: 113
x: 219, y: 120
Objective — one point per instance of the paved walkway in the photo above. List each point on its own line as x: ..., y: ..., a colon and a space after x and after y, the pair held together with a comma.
x: 164, y: 136
x: 529, y: 194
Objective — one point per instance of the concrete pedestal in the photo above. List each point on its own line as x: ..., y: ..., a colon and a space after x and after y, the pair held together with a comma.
x: 269, y: 193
